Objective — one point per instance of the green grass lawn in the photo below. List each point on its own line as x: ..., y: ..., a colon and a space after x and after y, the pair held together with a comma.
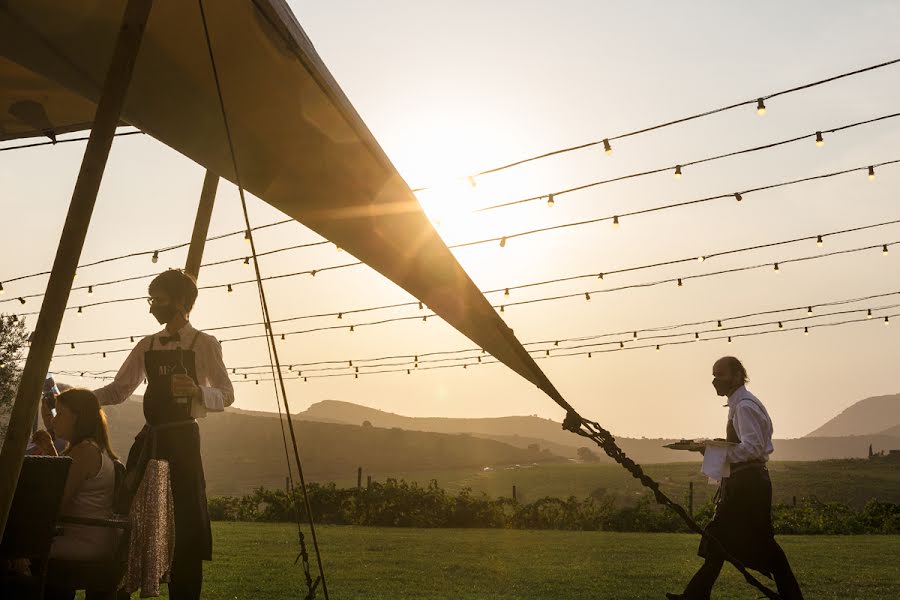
x: 255, y: 561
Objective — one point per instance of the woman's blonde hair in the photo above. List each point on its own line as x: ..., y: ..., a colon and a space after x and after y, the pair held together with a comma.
x: 90, y: 420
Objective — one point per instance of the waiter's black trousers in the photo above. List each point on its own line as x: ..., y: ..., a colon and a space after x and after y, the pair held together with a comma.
x: 186, y: 577
x: 700, y: 586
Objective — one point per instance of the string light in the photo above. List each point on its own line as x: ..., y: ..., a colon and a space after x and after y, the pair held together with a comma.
x: 550, y: 201
x: 587, y: 296
x: 282, y: 336
x: 677, y: 171
x: 338, y: 248
x: 780, y: 325
x: 871, y: 173
x: 503, y: 242
x: 421, y: 306
x: 2, y: 291
x: 729, y: 339
x: 230, y: 289
x: 615, y: 222
x: 351, y: 328
x: 806, y: 331
x: 809, y: 310
x: 22, y: 300
x: 884, y: 249
x: 719, y: 325
x: 90, y: 289
x: 869, y: 314
x: 760, y: 107
x: 819, y: 140
x: 313, y: 272
x: 246, y: 261
x: 502, y: 308
x: 72, y: 345
x: 680, y: 284
x: 340, y: 315
x: 738, y: 197
x: 247, y: 236
x: 472, y: 182
x: 621, y: 344
x: 131, y: 338
x: 777, y: 268
x: 607, y: 148
x: 506, y: 292
x: 819, y: 241
x: 701, y: 258
x: 887, y: 320
x: 79, y: 310
x: 155, y: 258
x: 657, y: 347
x: 696, y: 335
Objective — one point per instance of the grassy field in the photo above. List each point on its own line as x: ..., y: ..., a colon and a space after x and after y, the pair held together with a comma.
x: 849, y: 481
x: 255, y: 561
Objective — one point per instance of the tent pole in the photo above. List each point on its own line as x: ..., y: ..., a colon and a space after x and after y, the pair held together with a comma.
x: 201, y: 223
x: 68, y: 252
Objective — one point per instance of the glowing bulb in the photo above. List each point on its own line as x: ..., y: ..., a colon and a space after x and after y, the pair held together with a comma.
x: 72, y: 345
x: 657, y: 347
x: 760, y: 107
x: 884, y: 249
x: 621, y: 344
x: 615, y: 222
x: 677, y: 171
x: 155, y: 258
x: 777, y: 268
x: 701, y: 258
x: 589, y: 354
x: 606, y: 147
x: 503, y: 242
x: 806, y: 331
x: 502, y: 308
x: 472, y: 182
x: 809, y: 310
x: 887, y: 321
x: 819, y: 140
x: 729, y: 339
x: 680, y: 283
x: 338, y: 248
x: 506, y: 292
x: 247, y: 236
x: 75, y: 276
x: 79, y: 310
x: 696, y: 335
x: 871, y: 173
x: 351, y: 329
x: 550, y: 201
x: 819, y: 241
x: 869, y: 314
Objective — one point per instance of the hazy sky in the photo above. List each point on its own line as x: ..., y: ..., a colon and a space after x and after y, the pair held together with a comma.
x: 452, y: 88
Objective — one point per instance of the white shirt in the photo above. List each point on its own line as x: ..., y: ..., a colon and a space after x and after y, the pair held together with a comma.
x: 212, y: 375
x: 753, y: 425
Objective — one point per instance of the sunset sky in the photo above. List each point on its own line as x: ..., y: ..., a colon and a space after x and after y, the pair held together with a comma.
x: 450, y: 89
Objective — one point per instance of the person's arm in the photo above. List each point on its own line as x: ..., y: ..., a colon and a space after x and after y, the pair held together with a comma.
x: 749, y: 423
x: 86, y: 462
x: 216, y: 390
x: 129, y: 377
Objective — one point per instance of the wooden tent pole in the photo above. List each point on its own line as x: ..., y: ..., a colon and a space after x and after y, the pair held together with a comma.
x: 201, y: 224
x: 68, y: 252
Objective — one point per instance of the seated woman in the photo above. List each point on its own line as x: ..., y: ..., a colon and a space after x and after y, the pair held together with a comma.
x: 90, y: 484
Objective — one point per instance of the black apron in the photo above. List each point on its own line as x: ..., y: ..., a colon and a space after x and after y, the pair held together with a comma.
x: 743, y: 517
x: 172, y: 434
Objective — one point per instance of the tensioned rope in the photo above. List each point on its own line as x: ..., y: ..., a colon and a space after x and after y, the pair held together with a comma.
x: 273, y: 349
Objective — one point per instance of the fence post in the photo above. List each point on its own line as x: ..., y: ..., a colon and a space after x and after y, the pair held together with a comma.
x: 691, y: 498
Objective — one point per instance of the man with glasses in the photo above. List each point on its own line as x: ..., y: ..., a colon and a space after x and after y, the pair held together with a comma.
x: 186, y: 377
x: 743, y: 518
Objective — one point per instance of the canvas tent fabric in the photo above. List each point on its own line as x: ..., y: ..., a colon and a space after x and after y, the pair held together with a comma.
x: 299, y: 144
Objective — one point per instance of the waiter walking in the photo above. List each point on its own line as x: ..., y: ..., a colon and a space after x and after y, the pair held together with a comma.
x: 186, y: 377
x: 743, y: 517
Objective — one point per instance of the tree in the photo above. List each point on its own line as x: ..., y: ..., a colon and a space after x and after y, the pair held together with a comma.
x: 367, y: 424
x: 12, y: 344
x: 587, y: 455
x: 534, y: 447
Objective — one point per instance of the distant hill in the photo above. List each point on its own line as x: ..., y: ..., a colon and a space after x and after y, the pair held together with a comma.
x: 869, y: 416
x: 242, y: 450
x: 892, y: 431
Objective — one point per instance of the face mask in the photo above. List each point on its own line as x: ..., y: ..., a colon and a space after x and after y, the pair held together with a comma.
x: 163, y: 313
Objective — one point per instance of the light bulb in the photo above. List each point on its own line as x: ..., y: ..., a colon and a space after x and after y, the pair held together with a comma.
x: 760, y: 107
x: 503, y: 242
x: 777, y: 268
x: 701, y: 258
x: 599, y: 275
x: 869, y: 314
x: 90, y: 289
x: 729, y: 339
x: 79, y: 310
x: 506, y: 292
x: 338, y: 248
x: 884, y: 249
x: 819, y: 241
x: 155, y: 258
x: 230, y: 289
x: 657, y: 347
x: 72, y: 345
x: 806, y: 331
x: 780, y: 325
x: 340, y: 315
x: 738, y: 197
x: 550, y: 201
x: 719, y: 325
x: 615, y: 222
x: 677, y: 171
x: 247, y: 236
x: 809, y: 310
x: 871, y: 173
x: 246, y: 261
x: 22, y: 301
x: 680, y: 284
x: 472, y: 182
x: 502, y: 308
x: 887, y: 321
x: 696, y: 335
x: 621, y: 344
x: 606, y: 147
x: 2, y: 291
x: 589, y: 354
x: 313, y: 273
x: 351, y: 329
x: 819, y: 140
x: 587, y: 296
x: 421, y: 306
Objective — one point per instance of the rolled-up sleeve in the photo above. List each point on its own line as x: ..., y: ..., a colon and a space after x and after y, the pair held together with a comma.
x: 127, y: 379
x: 215, y: 385
x: 750, y: 425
